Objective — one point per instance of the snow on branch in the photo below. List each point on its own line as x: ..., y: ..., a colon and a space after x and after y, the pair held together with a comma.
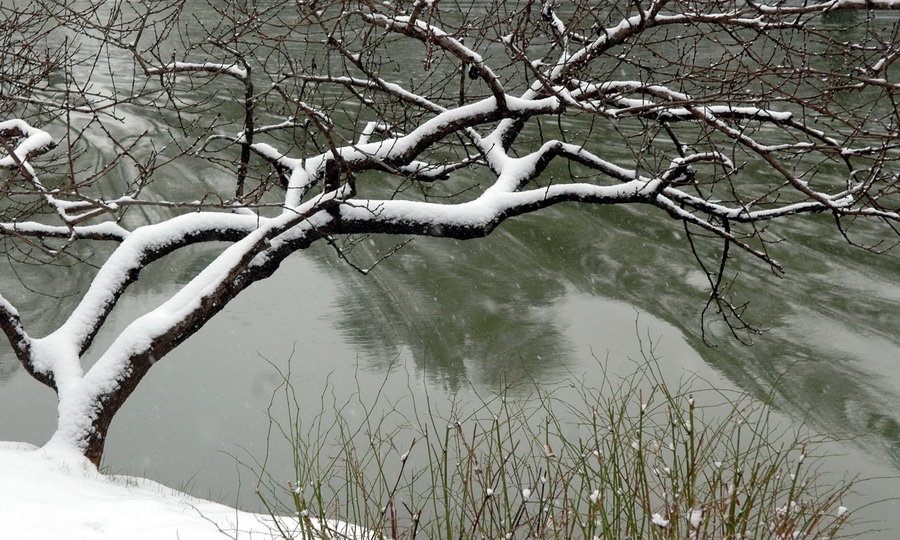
x: 823, y: 6
x: 479, y: 217
x: 107, y: 230
x: 212, y: 288
x: 33, y: 142
x: 11, y: 325
x: 135, y: 252
x: 378, y: 83
x: 402, y: 150
x: 418, y: 29
x: 205, y: 67
x: 656, y: 105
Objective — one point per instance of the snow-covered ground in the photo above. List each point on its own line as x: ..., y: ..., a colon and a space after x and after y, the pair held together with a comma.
x: 59, y: 494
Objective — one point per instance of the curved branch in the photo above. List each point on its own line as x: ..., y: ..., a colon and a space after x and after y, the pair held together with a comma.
x: 119, y: 370
x: 20, y: 341
x: 140, y: 248
x: 476, y: 218
x: 35, y: 142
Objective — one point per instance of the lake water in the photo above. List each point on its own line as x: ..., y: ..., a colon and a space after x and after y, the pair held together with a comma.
x: 547, y: 296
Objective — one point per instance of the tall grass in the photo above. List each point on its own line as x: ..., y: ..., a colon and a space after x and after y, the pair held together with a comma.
x: 632, y: 458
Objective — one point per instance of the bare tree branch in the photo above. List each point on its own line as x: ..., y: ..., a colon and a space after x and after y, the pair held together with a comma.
x: 259, y: 129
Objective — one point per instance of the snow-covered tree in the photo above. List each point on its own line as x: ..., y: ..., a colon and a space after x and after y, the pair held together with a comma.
x: 322, y: 120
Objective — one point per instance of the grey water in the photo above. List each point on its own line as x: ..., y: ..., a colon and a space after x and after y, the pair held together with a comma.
x: 548, y: 297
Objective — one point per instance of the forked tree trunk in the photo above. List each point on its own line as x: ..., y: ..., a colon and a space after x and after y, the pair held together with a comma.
x: 87, y: 406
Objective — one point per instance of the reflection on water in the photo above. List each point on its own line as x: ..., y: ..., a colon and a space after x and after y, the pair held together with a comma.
x: 545, y: 297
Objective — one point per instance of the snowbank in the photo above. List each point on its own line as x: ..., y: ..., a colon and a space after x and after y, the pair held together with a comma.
x: 59, y: 494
